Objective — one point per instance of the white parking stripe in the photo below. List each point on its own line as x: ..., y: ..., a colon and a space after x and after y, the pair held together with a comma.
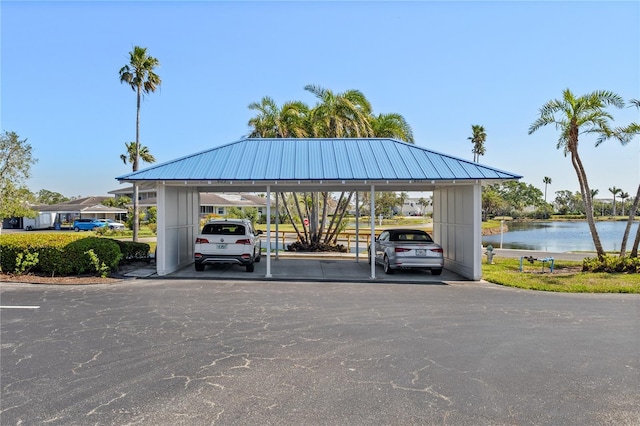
x: 19, y: 307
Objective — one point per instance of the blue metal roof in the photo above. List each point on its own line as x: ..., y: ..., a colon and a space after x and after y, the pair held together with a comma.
x: 367, y: 159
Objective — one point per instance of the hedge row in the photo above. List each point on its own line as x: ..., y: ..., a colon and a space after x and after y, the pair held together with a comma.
x: 65, y: 254
x: 612, y: 264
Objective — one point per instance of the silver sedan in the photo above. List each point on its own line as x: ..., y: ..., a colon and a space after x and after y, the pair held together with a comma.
x: 408, y: 248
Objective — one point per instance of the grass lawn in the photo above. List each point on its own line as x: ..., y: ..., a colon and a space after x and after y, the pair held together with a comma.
x: 566, y: 277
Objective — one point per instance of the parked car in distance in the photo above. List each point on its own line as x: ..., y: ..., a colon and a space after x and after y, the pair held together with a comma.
x: 87, y: 224
x: 227, y: 241
x: 112, y: 224
x: 407, y: 248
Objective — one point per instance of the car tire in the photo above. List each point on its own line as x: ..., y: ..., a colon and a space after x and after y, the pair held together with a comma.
x: 387, y: 267
x: 436, y: 271
x: 369, y: 257
x: 257, y: 258
x: 199, y: 266
x: 76, y: 229
x: 250, y: 267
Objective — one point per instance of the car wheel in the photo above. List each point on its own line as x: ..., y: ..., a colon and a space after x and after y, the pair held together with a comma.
x: 199, y: 266
x: 250, y: 267
x: 257, y: 258
x: 369, y: 257
x: 387, y: 267
x: 436, y: 271
x: 76, y: 229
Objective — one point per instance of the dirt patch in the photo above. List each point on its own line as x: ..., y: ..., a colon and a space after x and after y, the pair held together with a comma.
x: 115, y: 277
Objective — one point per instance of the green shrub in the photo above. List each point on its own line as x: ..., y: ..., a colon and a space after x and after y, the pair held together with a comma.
x: 612, y: 264
x: 133, y: 251
x: 58, y: 254
x: 25, y: 261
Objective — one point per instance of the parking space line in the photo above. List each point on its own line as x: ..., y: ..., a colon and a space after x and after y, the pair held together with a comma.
x: 19, y: 307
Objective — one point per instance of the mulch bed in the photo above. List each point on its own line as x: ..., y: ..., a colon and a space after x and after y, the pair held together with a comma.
x: 35, y: 278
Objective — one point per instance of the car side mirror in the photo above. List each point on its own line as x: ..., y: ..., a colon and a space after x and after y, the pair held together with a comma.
x: 258, y: 232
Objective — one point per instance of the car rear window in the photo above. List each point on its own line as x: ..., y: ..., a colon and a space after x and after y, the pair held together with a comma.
x: 412, y: 236
x: 223, y: 229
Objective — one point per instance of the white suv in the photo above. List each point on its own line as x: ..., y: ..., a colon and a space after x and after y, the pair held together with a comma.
x: 227, y: 241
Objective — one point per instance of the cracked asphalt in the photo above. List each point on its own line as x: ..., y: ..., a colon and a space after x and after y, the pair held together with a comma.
x: 197, y: 352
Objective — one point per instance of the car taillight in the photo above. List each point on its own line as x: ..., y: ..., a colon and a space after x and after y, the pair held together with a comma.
x: 244, y: 241
x: 401, y: 249
x: 437, y: 250
x: 202, y: 241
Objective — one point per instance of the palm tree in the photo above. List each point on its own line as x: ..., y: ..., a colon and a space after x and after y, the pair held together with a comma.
x: 139, y: 74
x: 594, y: 192
x: 633, y: 128
x: 336, y: 115
x: 623, y: 196
x: 391, y: 126
x: 130, y: 156
x: 273, y: 122
x: 574, y: 116
x: 478, y: 139
x: 615, y: 191
x: 546, y: 181
x: 340, y: 115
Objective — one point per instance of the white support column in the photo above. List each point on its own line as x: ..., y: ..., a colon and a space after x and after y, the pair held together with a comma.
x: 477, y: 235
x: 268, y: 275
x: 372, y: 214
x: 357, y: 228
x: 277, y: 220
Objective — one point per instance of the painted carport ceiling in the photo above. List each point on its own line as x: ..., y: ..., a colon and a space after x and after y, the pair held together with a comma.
x: 318, y: 162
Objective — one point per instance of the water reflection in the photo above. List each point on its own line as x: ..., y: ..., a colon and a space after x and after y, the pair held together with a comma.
x: 560, y: 236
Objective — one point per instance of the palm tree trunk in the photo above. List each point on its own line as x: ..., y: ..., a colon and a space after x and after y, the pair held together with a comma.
x: 297, y: 204
x: 634, y: 250
x: 344, y: 207
x: 627, y: 230
x: 286, y: 208
x: 136, y: 213
x: 588, y: 205
x: 328, y: 235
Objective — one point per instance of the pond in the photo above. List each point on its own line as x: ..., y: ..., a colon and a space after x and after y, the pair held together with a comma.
x: 561, y: 236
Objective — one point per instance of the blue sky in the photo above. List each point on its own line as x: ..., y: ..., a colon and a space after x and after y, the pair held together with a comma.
x: 443, y: 65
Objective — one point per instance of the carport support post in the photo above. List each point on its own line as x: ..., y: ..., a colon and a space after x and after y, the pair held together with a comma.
x: 372, y: 216
x: 277, y: 220
x: 268, y: 275
x: 357, y: 228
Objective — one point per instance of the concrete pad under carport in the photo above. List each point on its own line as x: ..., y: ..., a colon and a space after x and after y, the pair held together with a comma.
x: 315, y: 268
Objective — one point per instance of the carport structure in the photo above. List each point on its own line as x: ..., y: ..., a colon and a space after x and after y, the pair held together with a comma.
x: 324, y: 165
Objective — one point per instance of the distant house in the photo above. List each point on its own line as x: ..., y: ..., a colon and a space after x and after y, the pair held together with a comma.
x: 210, y: 203
x: 63, y: 214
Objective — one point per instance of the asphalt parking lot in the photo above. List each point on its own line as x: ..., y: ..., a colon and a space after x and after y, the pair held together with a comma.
x: 236, y: 352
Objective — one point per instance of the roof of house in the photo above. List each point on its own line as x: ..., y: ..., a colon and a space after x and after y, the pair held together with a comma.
x: 80, y: 205
x: 317, y: 159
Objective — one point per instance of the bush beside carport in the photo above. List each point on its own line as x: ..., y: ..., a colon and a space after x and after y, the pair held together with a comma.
x: 58, y: 254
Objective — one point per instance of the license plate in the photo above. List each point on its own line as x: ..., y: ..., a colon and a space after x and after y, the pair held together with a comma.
x: 421, y: 252
x: 221, y: 246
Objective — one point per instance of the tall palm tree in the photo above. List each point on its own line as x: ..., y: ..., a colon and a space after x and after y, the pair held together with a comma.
x: 633, y: 129
x: 130, y: 156
x: 574, y: 116
x: 478, y: 138
x: 546, y: 181
x: 615, y: 191
x: 623, y: 196
x: 140, y: 75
